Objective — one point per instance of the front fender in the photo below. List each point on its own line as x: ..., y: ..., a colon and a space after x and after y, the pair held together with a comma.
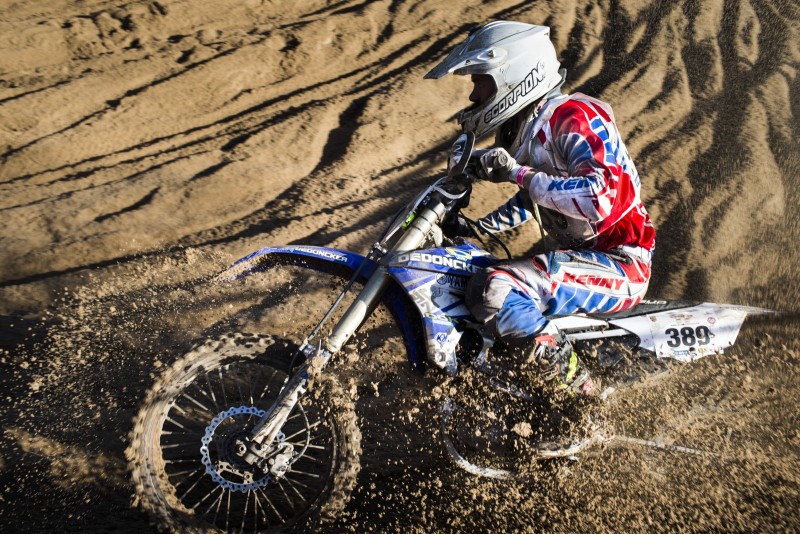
x: 323, y: 259
x: 343, y: 264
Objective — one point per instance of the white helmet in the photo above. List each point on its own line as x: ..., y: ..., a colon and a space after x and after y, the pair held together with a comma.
x: 521, y: 60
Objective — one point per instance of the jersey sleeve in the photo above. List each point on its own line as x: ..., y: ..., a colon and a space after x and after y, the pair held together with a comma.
x: 585, y: 145
x: 514, y: 212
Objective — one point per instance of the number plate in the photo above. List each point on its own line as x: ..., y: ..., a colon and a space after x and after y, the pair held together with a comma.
x: 691, y: 333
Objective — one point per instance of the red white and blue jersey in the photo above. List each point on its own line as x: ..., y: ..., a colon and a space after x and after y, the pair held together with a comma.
x: 586, y: 184
x: 587, y: 189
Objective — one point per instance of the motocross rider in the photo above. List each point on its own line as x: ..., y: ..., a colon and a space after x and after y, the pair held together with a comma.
x: 565, y: 154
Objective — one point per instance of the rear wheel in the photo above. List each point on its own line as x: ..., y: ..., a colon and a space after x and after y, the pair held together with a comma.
x: 183, y: 453
x: 500, y: 423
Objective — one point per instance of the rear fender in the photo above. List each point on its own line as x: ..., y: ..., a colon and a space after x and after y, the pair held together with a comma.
x: 677, y: 330
x: 342, y: 264
x: 686, y: 334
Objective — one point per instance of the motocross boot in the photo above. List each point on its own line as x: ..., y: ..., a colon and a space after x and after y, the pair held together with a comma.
x: 559, y: 364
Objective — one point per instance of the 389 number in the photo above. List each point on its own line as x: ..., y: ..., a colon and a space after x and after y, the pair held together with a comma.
x: 688, y: 336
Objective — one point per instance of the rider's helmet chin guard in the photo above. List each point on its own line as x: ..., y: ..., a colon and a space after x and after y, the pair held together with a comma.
x: 520, y: 59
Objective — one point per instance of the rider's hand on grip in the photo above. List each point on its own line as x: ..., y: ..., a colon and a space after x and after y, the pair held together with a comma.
x: 496, y: 166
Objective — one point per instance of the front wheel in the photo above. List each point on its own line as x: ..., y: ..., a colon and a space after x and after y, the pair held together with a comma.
x: 183, y: 453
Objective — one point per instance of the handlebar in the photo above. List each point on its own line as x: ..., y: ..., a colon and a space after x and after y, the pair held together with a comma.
x: 448, y: 195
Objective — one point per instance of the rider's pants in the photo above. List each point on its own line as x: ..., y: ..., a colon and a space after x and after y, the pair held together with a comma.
x: 513, y: 298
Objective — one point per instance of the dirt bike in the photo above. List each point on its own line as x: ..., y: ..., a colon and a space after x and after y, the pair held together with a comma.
x: 248, y: 431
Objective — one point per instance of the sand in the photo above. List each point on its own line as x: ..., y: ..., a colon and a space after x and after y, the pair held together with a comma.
x: 145, y: 145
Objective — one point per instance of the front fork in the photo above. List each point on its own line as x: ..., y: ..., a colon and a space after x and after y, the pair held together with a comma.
x: 268, y: 428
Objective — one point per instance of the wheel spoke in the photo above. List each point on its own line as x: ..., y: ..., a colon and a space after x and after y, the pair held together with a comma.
x: 269, y: 502
x: 174, y: 422
x: 307, y: 456
x: 251, y: 384
x: 204, y: 407
x: 308, y: 429
x: 286, y: 495
x: 171, y: 433
x: 222, y: 387
x: 187, y: 471
x: 190, y: 487
x: 267, y: 385
x: 228, y: 512
x: 201, y: 416
x: 211, y: 393
x: 181, y: 460
x: 291, y: 485
x: 305, y: 473
x: 292, y: 417
x: 244, y: 514
x: 184, y: 480
x: 216, y: 501
x: 202, y: 391
x: 239, y: 388
x: 180, y: 410
x: 257, y: 506
x: 219, y: 504
x: 176, y: 433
